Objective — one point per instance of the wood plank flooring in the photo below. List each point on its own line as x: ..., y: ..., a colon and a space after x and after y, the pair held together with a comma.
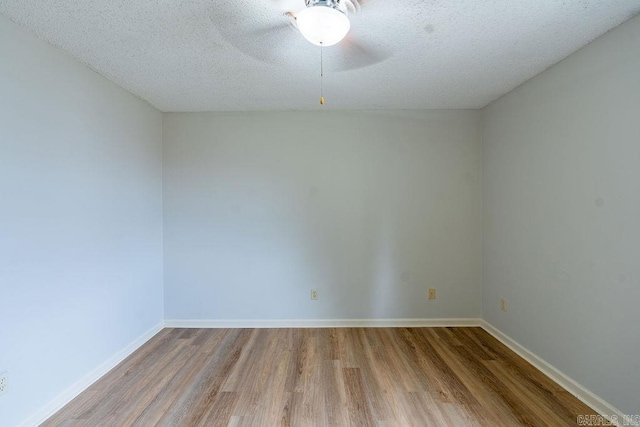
x: 318, y: 377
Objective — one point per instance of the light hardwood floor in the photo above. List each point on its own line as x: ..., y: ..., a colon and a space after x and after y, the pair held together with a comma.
x: 317, y: 377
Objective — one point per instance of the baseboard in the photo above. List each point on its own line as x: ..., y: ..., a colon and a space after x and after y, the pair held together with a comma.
x: 74, y: 390
x: 589, y: 398
x: 320, y: 323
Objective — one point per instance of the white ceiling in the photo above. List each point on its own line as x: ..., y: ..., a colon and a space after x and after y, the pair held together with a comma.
x: 215, y: 55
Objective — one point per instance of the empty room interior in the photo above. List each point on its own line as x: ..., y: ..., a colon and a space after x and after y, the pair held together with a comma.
x: 319, y: 212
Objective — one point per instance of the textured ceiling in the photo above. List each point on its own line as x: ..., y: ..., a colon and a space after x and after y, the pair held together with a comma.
x: 214, y: 55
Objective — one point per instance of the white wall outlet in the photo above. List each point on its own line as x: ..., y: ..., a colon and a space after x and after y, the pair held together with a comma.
x: 4, y: 382
x: 503, y: 304
x: 432, y: 293
x: 314, y: 294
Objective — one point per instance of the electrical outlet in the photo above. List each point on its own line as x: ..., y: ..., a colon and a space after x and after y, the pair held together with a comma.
x: 314, y: 294
x: 503, y: 304
x: 4, y: 382
x: 432, y: 293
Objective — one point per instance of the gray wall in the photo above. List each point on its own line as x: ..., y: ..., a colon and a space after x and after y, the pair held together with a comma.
x: 80, y: 220
x: 561, y: 208
x: 371, y: 208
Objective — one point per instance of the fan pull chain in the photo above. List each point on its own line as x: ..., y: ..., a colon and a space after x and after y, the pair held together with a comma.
x: 321, y: 77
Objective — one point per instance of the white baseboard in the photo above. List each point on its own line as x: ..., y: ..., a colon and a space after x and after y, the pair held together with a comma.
x: 320, y: 323
x: 74, y: 390
x: 589, y: 398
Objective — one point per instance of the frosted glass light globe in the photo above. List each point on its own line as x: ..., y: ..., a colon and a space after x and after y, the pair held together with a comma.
x: 323, y: 25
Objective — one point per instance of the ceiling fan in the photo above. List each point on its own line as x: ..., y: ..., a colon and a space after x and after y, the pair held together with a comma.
x: 322, y: 22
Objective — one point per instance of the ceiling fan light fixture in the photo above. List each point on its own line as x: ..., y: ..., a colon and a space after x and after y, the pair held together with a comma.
x: 323, y: 25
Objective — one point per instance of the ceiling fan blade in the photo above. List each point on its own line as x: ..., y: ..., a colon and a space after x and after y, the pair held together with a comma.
x: 353, y: 54
x: 258, y: 41
x: 282, y: 29
x: 269, y: 38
